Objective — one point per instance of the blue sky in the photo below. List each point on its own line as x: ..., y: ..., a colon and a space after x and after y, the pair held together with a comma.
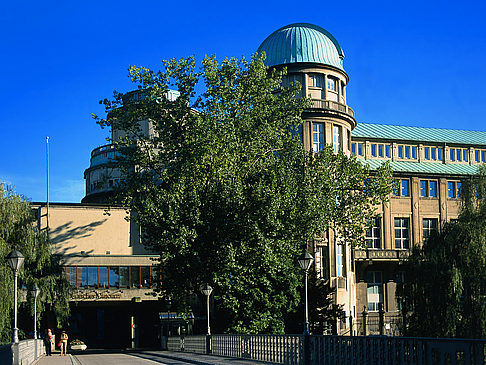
x: 417, y: 63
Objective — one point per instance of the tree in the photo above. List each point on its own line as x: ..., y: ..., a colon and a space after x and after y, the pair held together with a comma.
x: 224, y: 190
x: 444, y: 294
x: 40, y: 267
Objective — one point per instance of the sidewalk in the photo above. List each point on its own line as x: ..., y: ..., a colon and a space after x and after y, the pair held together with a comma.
x: 55, y: 359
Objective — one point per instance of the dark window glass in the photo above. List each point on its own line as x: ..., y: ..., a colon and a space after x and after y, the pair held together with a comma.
x: 433, y: 189
x: 72, y: 275
x: 414, y: 152
x: 387, y: 151
x: 464, y: 155
x: 458, y: 154
x: 135, y: 276
x: 124, y: 276
x: 400, y: 151
x: 380, y: 150
x: 423, y: 188
x: 92, y: 276
x: 360, y: 149
x: 432, y: 153
x: 477, y: 155
x: 459, y: 190
x: 353, y: 148
x: 439, y: 154
x: 405, y: 191
x: 114, y: 277
x: 407, y: 151
x: 426, y: 153
x: 145, y: 276
x: 483, y: 156
x: 451, y: 189
x: 83, y: 274
x: 453, y: 154
x: 396, y: 188
x: 373, y: 150
x: 103, y: 277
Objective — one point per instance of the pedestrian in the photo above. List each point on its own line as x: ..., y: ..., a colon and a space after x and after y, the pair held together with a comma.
x: 48, y: 342
x: 63, y: 342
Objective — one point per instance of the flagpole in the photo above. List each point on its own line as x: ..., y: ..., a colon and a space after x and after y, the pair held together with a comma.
x: 47, y: 205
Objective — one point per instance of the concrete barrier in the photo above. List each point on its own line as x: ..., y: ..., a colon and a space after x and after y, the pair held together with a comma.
x: 22, y: 353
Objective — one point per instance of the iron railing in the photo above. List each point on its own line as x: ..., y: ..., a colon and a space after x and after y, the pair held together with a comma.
x: 334, y: 350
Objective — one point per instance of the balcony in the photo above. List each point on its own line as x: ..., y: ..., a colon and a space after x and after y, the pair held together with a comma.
x: 102, y: 155
x: 332, y: 105
x: 380, y: 255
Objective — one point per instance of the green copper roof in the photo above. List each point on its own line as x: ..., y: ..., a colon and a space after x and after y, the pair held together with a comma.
x: 449, y: 169
x: 302, y: 42
x: 402, y: 133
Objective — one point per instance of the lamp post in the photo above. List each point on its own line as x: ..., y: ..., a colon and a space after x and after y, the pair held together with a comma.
x: 207, y: 290
x: 305, y: 261
x: 15, y: 260
x: 35, y: 293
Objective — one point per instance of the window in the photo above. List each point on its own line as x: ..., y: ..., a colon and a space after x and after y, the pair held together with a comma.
x: 454, y: 189
x: 145, y: 276
x: 402, y: 233
x: 400, y: 151
x: 360, y: 149
x: 134, y: 276
x: 401, y: 188
x: 427, y: 153
x: 428, y: 188
x: 317, y: 136
x: 82, y: 273
x: 103, y: 277
x: 429, y: 225
x: 373, y: 150
x: 433, y: 153
x: 124, y: 277
x: 315, y: 80
x: 373, y: 233
x: 322, y: 260
x: 380, y: 151
x: 407, y: 152
x: 439, y: 154
x: 476, y: 154
x: 387, y: 151
x: 114, y: 277
x: 464, y: 155
x: 357, y: 149
x: 414, y: 152
x: 336, y: 138
x: 483, y: 156
x: 459, y: 154
x: 331, y: 84
x: 339, y: 260
x: 93, y: 276
x: 374, y: 290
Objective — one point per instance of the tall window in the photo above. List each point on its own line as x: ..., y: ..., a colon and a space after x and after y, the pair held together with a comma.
x: 315, y: 80
x: 374, y: 282
x: 428, y: 188
x: 317, y: 136
x: 331, y: 84
x: 429, y: 225
x: 401, y: 188
x: 93, y: 276
x: 336, y: 138
x: 427, y: 153
x: 114, y: 277
x: 402, y: 233
x: 373, y: 233
x: 340, y: 260
x: 322, y: 260
x: 103, y: 277
x: 454, y: 189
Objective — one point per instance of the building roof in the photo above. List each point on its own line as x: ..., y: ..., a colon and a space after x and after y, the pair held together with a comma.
x: 302, y: 42
x: 430, y: 168
x: 404, y: 133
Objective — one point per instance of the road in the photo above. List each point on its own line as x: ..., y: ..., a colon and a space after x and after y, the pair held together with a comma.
x: 121, y: 359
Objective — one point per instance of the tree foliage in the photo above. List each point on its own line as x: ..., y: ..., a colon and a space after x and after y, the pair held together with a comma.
x: 444, y: 294
x: 41, y: 268
x: 224, y: 189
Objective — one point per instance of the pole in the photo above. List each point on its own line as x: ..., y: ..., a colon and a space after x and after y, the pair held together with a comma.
x: 209, y: 329
x: 306, y: 323
x: 35, y: 317
x: 15, y: 330
x: 47, y: 162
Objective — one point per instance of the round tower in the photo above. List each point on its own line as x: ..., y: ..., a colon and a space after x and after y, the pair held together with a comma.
x: 314, y: 58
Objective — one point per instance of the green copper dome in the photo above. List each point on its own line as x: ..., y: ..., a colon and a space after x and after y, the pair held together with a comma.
x: 302, y: 42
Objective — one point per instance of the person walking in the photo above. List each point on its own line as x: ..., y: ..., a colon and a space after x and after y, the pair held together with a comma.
x: 48, y: 342
x: 64, y: 340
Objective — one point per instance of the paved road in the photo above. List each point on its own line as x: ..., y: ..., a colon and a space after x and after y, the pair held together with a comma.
x: 138, y: 358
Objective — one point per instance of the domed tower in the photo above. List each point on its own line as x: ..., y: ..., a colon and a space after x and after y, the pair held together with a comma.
x: 314, y: 58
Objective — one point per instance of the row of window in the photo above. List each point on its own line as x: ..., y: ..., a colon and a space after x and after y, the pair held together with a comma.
x: 111, y: 276
x: 402, y: 232
x: 374, y: 282
x: 317, y: 80
x: 318, y: 137
x: 428, y: 188
x: 409, y: 152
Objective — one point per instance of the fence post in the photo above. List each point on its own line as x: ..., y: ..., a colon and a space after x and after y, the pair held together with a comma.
x: 209, y: 350
x: 381, y: 314
x: 365, y: 321
x: 350, y: 324
x: 307, y: 349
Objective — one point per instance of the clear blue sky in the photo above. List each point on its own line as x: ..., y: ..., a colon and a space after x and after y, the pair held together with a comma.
x: 417, y: 63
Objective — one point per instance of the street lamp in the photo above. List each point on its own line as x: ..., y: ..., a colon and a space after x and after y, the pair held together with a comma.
x: 35, y: 293
x: 15, y: 260
x: 207, y: 290
x: 305, y: 261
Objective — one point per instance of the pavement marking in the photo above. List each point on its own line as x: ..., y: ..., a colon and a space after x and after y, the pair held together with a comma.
x: 74, y: 361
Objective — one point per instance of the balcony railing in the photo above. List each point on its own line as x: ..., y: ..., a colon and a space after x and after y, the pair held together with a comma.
x: 332, y: 105
x: 362, y: 255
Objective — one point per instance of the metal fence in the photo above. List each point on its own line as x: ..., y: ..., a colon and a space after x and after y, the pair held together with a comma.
x: 337, y: 350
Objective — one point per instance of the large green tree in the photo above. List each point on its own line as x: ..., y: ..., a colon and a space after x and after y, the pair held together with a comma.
x: 224, y: 189
x: 41, y: 268
x: 444, y: 294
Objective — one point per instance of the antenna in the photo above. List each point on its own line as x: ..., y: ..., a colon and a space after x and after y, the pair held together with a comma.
x: 47, y: 200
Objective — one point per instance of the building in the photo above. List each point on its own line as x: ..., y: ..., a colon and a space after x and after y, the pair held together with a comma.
x: 104, y: 258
